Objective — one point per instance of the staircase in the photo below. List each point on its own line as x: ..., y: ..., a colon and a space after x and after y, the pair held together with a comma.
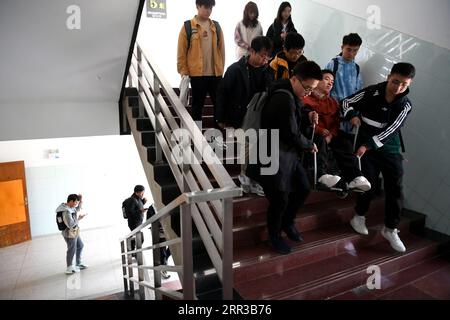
x: 333, y: 262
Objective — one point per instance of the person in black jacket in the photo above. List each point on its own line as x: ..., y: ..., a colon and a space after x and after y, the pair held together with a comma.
x: 241, y: 81
x: 288, y: 188
x: 380, y: 111
x: 280, y: 27
x: 135, y: 210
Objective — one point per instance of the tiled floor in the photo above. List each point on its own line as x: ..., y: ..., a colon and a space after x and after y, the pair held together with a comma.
x: 35, y: 269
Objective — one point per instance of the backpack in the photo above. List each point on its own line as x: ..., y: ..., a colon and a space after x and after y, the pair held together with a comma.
x: 336, y: 66
x: 252, y: 119
x: 188, y: 27
x: 60, y: 221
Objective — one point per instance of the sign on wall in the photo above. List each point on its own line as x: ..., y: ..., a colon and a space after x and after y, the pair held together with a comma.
x: 157, y: 9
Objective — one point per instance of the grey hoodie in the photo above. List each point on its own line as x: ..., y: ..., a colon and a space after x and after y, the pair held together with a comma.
x: 70, y: 218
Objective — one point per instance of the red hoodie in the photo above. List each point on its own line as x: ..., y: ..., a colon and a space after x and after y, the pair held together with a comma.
x: 328, y: 110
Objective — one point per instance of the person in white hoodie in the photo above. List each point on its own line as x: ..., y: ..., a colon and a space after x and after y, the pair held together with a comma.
x: 71, y: 234
x: 247, y: 29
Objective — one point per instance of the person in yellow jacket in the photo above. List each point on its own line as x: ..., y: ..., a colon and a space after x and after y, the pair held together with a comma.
x: 201, y: 55
x: 284, y: 62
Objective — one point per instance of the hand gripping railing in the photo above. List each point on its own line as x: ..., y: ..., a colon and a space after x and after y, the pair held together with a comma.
x: 212, y: 216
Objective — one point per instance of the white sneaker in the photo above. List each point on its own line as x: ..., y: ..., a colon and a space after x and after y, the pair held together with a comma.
x: 392, y: 236
x: 329, y: 180
x: 360, y: 183
x: 245, y: 183
x: 359, y: 224
x: 256, y: 188
x: 72, y: 269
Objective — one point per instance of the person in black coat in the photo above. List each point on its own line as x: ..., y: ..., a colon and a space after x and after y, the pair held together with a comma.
x: 288, y: 188
x: 280, y: 27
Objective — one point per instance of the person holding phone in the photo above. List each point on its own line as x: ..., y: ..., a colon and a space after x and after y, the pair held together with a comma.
x: 135, y: 211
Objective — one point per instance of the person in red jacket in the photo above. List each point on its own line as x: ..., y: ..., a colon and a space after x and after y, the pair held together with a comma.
x: 326, y: 137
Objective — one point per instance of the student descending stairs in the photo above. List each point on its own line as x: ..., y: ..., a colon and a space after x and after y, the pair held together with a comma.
x: 333, y: 262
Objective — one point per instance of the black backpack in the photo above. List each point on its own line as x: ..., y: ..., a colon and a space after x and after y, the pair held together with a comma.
x: 126, y: 205
x: 60, y: 221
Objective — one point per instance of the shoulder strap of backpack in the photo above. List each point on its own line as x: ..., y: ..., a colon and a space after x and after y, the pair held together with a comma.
x: 285, y: 91
x: 187, y: 26
x: 357, y: 70
x: 335, y: 66
x: 218, y: 32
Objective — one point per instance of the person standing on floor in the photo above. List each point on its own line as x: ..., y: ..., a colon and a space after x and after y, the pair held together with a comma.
x: 247, y: 29
x: 281, y: 26
x: 71, y: 234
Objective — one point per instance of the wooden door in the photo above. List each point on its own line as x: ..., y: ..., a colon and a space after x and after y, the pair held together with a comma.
x: 14, y: 217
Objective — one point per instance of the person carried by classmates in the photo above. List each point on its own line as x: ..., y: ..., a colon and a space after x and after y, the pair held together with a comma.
x: 381, y: 110
x: 327, y: 141
x: 201, y: 56
x: 284, y: 62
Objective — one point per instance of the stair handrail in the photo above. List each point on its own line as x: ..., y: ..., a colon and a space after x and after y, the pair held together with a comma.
x: 190, y: 177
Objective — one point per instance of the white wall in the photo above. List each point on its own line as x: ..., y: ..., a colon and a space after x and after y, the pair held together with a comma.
x: 159, y: 37
x: 103, y: 169
x: 426, y: 20
x: 58, y: 82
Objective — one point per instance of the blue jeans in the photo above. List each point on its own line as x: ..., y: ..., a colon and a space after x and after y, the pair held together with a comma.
x: 73, y: 245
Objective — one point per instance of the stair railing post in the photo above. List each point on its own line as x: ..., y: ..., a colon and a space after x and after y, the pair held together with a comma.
x: 124, y: 269
x: 139, y: 74
x: 130, y: 269
x: 186, y: 245
x: 227, y: 256
x: 157, y: 91
x: 156, y: 258
x: 140, y: 262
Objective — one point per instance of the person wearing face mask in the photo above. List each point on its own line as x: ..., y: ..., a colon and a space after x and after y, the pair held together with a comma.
x: 326, y: 139
x: 247, y: 29
x: 380, y: 111
x: 281, y: 26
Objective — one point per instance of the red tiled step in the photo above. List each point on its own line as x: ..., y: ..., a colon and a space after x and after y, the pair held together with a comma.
x: 328, y: 277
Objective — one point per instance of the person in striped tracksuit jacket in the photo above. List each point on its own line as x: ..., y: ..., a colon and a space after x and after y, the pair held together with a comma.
x: 380, y: 111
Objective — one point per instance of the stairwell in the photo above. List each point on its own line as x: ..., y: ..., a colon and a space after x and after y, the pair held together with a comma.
x: 333, y: 262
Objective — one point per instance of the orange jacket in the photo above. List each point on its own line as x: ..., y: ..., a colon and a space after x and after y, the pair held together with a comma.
x: 328, y: 110
x: 191, y: 62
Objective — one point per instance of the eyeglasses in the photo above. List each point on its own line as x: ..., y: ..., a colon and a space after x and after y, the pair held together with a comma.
x: 307, y: 89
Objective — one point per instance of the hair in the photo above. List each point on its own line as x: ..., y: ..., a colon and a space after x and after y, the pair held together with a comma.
x: 308, y: 70
x: 261, y: 42
x: 352, y: 39
x: 325, y: 71
x: 294, y: 40
x: 205, y: 3
x: 139, y: 188
x: 73, y: 197
x: 249, y: 8
x: 404, y: 69
x: 283, y: 6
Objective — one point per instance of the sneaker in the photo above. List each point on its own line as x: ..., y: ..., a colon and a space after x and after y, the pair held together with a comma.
x: 256, y: 188
x: 71, y: 270
x: 165, y: 275
x: 359, y: 224
x: 279, y: 245
x: 392, y: 236
x: 360, y: 183
x: 293, y: 234
x: 82, y: 266
x: 245, y: 183
x: 329, y: 180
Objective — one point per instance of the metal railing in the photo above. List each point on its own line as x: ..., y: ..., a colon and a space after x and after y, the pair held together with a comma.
x: 210, y: 209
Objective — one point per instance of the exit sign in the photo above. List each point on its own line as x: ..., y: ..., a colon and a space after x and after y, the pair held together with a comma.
x: 156, y: 9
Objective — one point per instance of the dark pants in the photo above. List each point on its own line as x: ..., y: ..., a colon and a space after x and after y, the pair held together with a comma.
x: 391, y: 167
x: 133, y: 224
x: 343, y: 153
x: 283, y: 205
x: 200, y: 87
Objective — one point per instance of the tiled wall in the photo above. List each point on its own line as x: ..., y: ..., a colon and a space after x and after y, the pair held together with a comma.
x: 426, y: 134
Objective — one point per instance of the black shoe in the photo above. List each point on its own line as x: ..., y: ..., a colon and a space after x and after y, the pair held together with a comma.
x: 279, y: 245
x: 293, y: 234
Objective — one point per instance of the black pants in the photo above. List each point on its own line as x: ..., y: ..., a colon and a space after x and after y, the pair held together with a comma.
x: 283, y: 205
x: 391, y: 167
x: 200, y: 87
x: 342, y: 147
x: 132, y: 224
